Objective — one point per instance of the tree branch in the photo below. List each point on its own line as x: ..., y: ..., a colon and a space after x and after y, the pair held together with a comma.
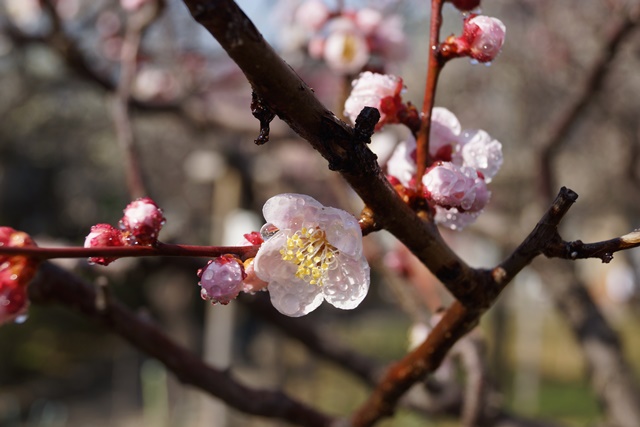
x: 54, y: 285
x: 294, y: 102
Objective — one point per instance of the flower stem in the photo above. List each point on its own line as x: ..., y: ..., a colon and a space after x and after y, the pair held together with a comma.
x: 161, y: 249
x: 434, y: 67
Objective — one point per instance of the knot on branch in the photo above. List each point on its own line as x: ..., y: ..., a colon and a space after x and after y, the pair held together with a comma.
x: 264, y: 114
x: 366, y: 123
x: 346, y: 149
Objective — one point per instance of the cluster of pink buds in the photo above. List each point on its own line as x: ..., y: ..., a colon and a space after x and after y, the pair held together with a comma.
x: 463, y: 162
x: 224, y: 277
x: 140, y: 225
x: 15, y: 273
x: 349, y: 40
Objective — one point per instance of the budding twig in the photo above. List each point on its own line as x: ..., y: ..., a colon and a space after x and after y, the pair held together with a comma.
x: 434, y: 67
x: 160, y: 249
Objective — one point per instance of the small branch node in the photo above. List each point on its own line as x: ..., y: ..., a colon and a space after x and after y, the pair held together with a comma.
x: 264, y: 114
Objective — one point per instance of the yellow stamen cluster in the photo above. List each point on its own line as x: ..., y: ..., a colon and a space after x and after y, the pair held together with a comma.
x: 309, y: 249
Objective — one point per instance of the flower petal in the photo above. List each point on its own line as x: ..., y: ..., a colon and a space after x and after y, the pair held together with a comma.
x: 294, y: 298
x: 268, y: 263
x: 342, y: 230
x: 347, y: 285
x: 290, y: 210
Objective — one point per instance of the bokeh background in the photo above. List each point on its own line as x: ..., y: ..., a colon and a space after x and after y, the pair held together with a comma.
x: 62, y: 170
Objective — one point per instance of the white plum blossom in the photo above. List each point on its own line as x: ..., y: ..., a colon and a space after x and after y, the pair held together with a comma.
x: 481, y: 152
x: 402, y: 163
x: 485, y: 37
x: 452, y: 186
x: 348, y: 40
x: 369, y: 90
x: 311, y: 253
x: 345, y: 48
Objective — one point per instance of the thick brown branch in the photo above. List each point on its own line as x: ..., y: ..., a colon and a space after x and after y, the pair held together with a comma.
x: 54, y: 285
x: 460, y: 319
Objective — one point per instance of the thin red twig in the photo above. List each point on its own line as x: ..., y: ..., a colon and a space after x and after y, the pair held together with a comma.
x: 161, y: 249
x: 434, y: 67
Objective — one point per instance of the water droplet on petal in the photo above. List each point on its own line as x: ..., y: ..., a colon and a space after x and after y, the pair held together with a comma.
x: 268, y: 230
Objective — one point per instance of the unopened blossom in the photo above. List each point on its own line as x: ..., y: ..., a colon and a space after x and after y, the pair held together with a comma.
x: 402, y: 163
x: 312, y: 14
x: 104, y: 235
x: 16, y: 271
x: 222, y: 279
x: 485, y: 37
x: 345, y: 48
x: 311, y: 253
x: 466, y: 5
x: 252, y: 283
x: 481, y: 152
x: 444, y: 139
x: 143, y: 220
x: 452, y: 186
x: 13, y: 299
x: 380, y: 91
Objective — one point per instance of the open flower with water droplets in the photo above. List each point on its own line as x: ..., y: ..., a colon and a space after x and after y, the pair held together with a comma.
x: 311, y: 253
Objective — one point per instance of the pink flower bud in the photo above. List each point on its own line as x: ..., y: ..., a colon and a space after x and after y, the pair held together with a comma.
x: 143, y: 219
x: 103, y: 235
x: 312, y: 14
x: 451, y: 186
x: 485, y: 37
x: 222, y: 279
x: 381, y: 91
x: 13, y: 299
x: 15, y: 274
x: 465, y: 5
x: 252, y: 283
